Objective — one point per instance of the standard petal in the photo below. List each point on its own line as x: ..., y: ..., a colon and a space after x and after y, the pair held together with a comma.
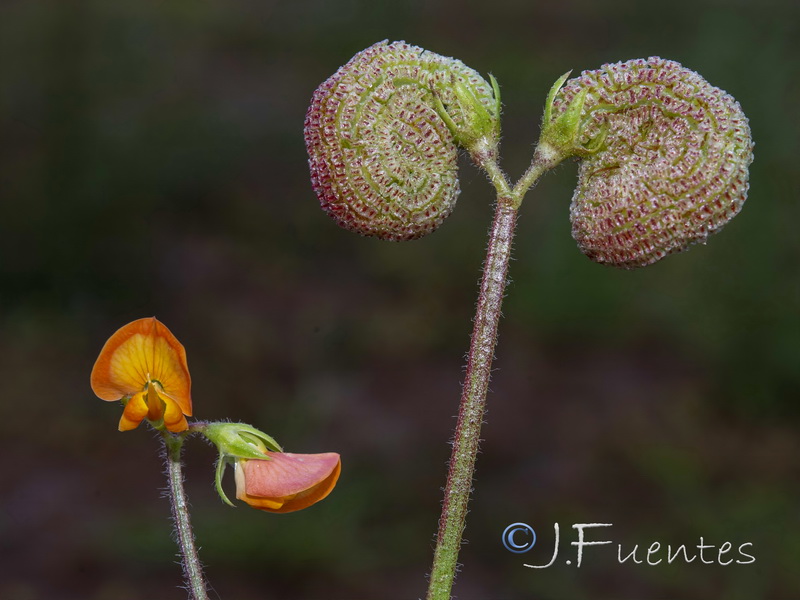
x: 139, y: 352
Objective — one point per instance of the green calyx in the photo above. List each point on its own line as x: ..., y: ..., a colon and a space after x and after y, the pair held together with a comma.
x: 561, y: 134
x: 237, y: 441
x: 474, y: 126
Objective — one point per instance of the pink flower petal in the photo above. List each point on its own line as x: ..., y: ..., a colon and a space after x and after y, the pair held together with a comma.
x: 286, y: 473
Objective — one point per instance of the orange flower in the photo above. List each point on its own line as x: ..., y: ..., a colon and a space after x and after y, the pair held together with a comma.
x: 144, y: 366
x: 287, y: 482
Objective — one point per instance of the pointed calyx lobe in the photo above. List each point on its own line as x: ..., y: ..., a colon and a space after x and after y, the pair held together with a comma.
x: 382, y: 136
x: 665, y: 160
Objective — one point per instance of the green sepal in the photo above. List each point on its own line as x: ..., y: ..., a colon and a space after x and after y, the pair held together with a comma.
x: 560, y: 134
x: 239, y: 440
x: 497, y: 104
x: 222, y: 462
x: 551, y: 97
x: 478, y: 125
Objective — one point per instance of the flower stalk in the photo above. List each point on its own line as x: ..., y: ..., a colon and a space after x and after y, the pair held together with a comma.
x: 192, y: 569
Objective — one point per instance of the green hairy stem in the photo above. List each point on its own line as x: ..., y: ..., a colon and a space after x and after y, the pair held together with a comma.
x: 192, y: 569
x: 479, y: 366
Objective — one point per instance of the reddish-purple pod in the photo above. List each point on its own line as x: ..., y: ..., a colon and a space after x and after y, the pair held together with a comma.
x: 383, y: 160
x: 672, y: 167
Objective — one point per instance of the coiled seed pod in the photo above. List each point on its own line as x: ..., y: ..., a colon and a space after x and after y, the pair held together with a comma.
x: 672, y: 167
x: 382, y: 137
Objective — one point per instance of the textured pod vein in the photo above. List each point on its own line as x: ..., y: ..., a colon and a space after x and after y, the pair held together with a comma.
x: 673, y: 166
x: 383, y: 161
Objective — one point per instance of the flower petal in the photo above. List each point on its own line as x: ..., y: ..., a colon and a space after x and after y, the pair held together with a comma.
x: 137, y: 353
x: 135, y: 411
x: 155, y: 405
x: 266, y: 504
x: 288, y: 482
x: 173, y: 417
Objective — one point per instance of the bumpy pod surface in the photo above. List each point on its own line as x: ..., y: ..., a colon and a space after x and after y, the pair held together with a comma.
x: 382, y: 159
x: 672, y: 167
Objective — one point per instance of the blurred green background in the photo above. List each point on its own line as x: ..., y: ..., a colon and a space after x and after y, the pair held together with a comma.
x: 152, y: 163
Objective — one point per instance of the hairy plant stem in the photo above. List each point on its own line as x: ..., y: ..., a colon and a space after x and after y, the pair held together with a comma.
x: 478, y: 372
x: 192, y: 569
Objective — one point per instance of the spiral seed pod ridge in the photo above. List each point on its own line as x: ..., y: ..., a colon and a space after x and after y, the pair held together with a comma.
x: 672, y: 166
x: 383, y: 161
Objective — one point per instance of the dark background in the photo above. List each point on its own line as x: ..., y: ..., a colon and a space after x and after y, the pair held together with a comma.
x: 152, y: 163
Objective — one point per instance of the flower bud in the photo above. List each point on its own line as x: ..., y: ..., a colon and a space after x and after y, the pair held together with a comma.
x: 382, y: 136
x: 671, y: 167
